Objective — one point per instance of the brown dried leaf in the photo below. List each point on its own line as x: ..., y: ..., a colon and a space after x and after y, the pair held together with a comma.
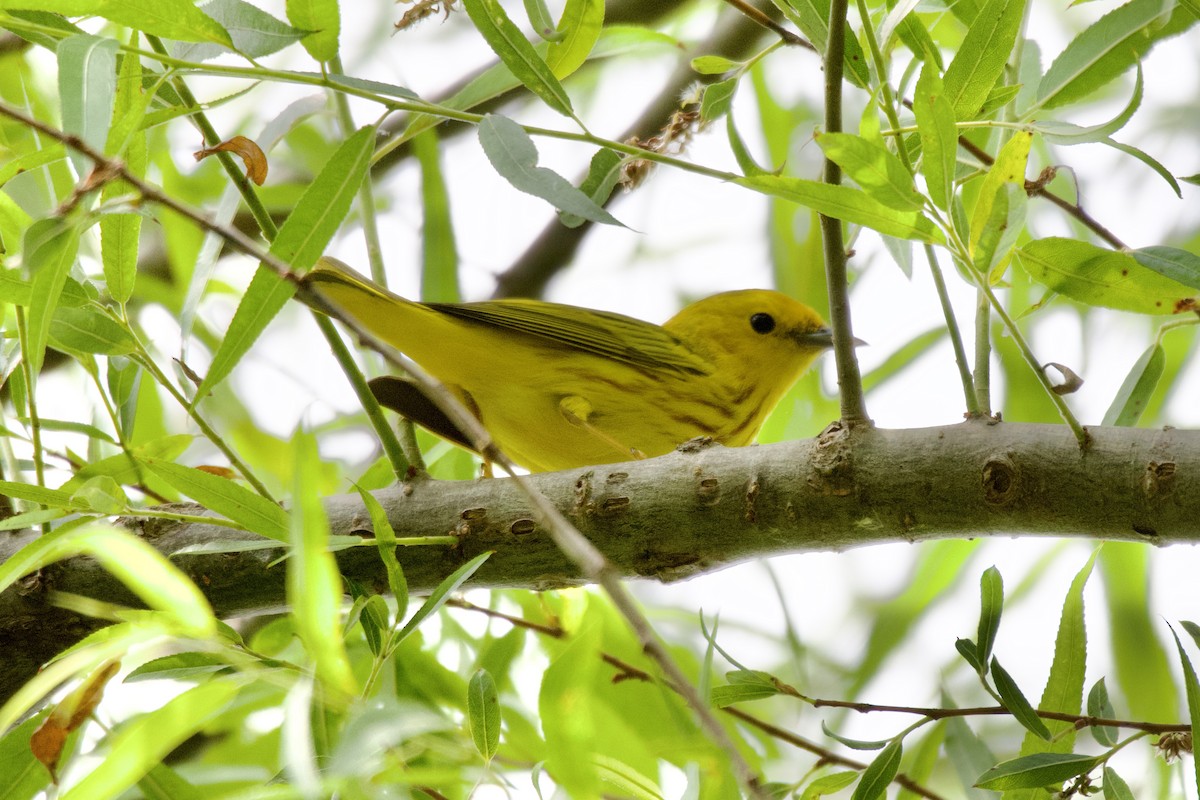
x: 1070, y: 380
x: 220, y: 472
x: 251, y: 154
x: 48, y: 740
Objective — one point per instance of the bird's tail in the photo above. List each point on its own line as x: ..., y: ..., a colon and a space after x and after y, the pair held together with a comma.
x: 385, y: 314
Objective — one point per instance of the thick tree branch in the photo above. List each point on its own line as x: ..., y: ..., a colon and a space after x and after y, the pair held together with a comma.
x: 693, y: 512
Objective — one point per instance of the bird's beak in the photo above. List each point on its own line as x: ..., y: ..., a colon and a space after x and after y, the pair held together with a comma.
x: 822, y: 337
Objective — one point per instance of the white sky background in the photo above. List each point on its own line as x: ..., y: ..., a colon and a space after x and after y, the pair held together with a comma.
x: 695, y: 236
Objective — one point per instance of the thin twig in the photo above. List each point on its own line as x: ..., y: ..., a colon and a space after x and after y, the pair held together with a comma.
x: 854, y: 409
x: 762, y: 19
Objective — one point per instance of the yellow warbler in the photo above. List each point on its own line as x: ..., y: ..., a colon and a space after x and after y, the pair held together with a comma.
x: 560, y: 387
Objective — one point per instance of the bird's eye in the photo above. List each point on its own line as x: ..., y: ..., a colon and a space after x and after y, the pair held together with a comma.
x: 762, y: 323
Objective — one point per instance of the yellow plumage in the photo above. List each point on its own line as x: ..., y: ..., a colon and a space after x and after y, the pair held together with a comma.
x: 560, y: 387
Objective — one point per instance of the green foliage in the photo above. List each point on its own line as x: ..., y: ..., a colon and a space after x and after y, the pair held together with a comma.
x: 105, y: 230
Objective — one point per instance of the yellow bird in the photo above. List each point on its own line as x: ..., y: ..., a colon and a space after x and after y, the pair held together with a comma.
x: 560, y: 387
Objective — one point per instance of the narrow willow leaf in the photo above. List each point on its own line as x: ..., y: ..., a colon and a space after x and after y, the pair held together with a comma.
x: 1014, y: 700
x: 1115, y: 787
x: 483, y: 713
x: 511, y: 46
x: 981, y: 57
x: 1100, y: 53
x: 1036, y: 771
x: 124, y: 379
x: 1193, y: 696
x: 300, y: 241
x: 939, y: 137
x: 848, y: 204
x: 164, y: 783
x: 1008, y: 168
x: 1099, y: 277
x: 120, y: 233
x: 1065, y: 133
x: 35, y: 494
x: 627, y: 781
x: 89, y: 330
x: 180, y: 20
x: 314, y: 587
x: 385, y: 537
x: 439, y: 253
x: 539, y: 19
x: 441, y: 594
x: 714, y: 65
x: 1064, y: 686
x: 514, y: 155
x: 226, y: 497
x: 1098, y: 705
x: 87, y: 82
x: 828, y: 784
x: 1171, y: 262
x: 254, y: 32
x: 126, y: 470
x: 50, y: 248
x: 879, y: 773
x: 145, y: 571
x: 321, y: 17
x: 856, y: 744
x: 140, y: 745
x: 741, y: 152
x: 1137, y: 388
x: 1148, y: 160
x: 604, y: 170
x: 580, y: 28
x: 991, y: 606
x: 880, y: 173
x: 724, y: 696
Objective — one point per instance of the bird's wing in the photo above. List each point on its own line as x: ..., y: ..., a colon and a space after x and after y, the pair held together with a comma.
x: 602, y: 333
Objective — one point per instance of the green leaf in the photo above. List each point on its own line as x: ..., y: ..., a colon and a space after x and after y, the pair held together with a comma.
x: 850, y: 205
x: 828, y: 784
x: 856, y: 744
x: 301, y: 241
x: 385, y: 537
x: 1115, y: 787
x: 314, y: 588
x: 1014, y: 700
x: 180, y: 20
x: 89, y: 330
x: 880, y: 174
x: 513, y: 155
x: 120, y: 233
x: 1193, y: 696
x: 1067, y: 134
x: 879, y: 773
x: 101, y: 494
x: 981, y: 57
x: 179, y: 667
x: 723, y: 696
x: 139, y: 746
x: 144, y: 570
x: 1099, y: 277
x: 1036, y: 771
x: 1171, y: 262
x: 717, y: 99
x: 51, y: 498
x: 1137, y: 388
x: 226, y: 497
x: 1098, y: 705
x: 970, y: 653
x: 577, y: 32
x: 439, y: 253
x: 1100, y: 53
x: 511, y: 46
x: 441, y: 594
x: 322, y: 17
x: 714, y: 65
x: 625, y: 780
x: 24, y: 775
x: 87, y: 82
x: 939, y: 136
x: 604, y: 170
x: 483, y: 713
x: 1149, y: 161
x: 50, y: 248
x: 126, y: 470
x: 254, y: 32
x: 1008, y: 168
x: 991, y: 605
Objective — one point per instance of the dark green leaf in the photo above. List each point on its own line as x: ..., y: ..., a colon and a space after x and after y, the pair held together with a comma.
x: 1015, y: 702
x: 1171, y: 262
x: 879, y: 773
x: 856, y: 744
x: 1115, y: 787
x: 1036, y: 771
x: 178, y: 667
x: 604, y: 170
x: 385, y: 538
x: 50, y: 248
x: 991, y: 606
x: 441, y: 594
x: 507, y: 42
x: 717, y: 99
x: 1098, y: 705
x: 1193, y: 697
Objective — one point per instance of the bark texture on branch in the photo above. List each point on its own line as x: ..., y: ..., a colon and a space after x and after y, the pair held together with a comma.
x: 693, y: 511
